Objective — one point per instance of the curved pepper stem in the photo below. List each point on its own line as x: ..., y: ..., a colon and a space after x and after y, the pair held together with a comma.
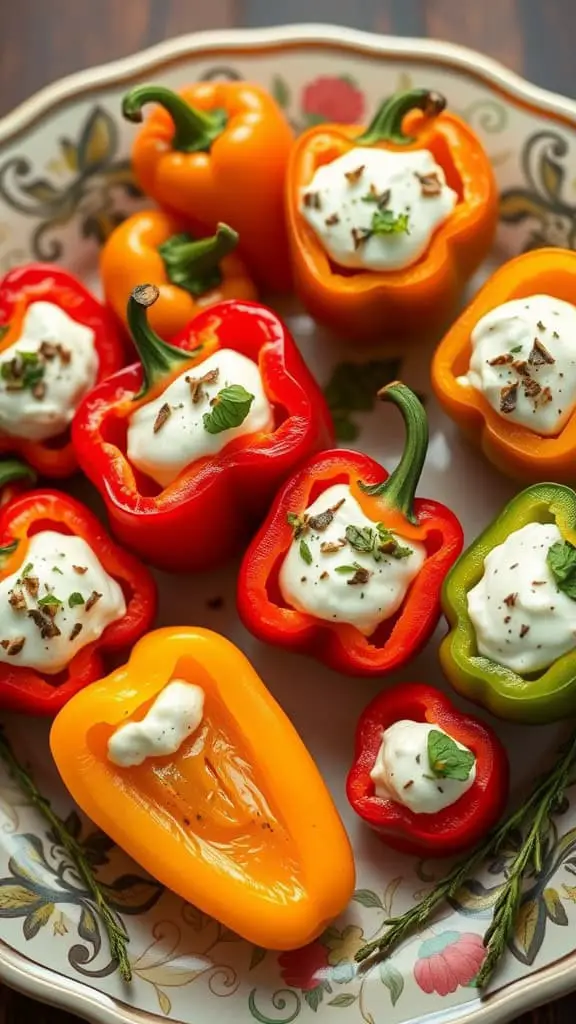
x: 386, y: 125
x: 194, y: 130
x: 399, y: 489
x: 12, y: 470
x: 195, y: 265
x: 158, y: 358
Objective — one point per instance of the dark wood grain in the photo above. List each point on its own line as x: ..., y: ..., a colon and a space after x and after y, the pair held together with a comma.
x: 43, y: 40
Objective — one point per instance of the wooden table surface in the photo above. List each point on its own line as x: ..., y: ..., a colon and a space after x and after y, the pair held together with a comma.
x: 45, y: 39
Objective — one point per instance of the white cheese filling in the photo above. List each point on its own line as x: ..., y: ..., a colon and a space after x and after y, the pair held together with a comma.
x: 402, y: 771
x: 60, y: 600
x: 524, y: 362
x: 46, y: 373
x: 377, y: 209
x: 326, y: 575
x: 169, y: 433
x: 175, y: 714
x: 521, y: 618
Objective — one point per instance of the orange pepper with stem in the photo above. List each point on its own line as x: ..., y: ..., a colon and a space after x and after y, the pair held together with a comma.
x: 511, y: 447
x: 190, y: 273
x: 218, y: 151
x: 368, y: 304
x: 238, y: 820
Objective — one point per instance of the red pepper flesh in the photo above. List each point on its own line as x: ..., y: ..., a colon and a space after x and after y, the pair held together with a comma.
x: 455, y: 828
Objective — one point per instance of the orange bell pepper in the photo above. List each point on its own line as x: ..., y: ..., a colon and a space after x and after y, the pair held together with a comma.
x: 238, y: 821
x: 369, y: 304
x: 189, y: 273
x: 511, y: 447
x: 217, y: 151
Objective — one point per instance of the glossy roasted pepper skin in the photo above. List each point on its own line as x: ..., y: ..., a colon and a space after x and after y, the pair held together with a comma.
x: 191, y: 273
x: 550, y: 696
x: 41, y: 282
x: 217, y: 151
x: 368, y: 305
x: 457, y: 827
x: 251, y: 819
x: 389, y: 499
x: 207, y: 513
x: 511, y: 447
x: 25, y: 689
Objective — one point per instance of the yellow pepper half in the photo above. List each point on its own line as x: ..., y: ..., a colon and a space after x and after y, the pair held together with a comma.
x: 238, y: 821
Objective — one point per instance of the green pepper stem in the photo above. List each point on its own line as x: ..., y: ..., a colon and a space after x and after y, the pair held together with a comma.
x: 194, y: 130
x: 14, y: 469
x: 386, y: 125
x: 158, y: 358
x: 195, y: 264
x: 399, y: 488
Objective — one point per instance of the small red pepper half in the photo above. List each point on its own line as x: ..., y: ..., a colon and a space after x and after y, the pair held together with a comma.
x: 384, y: 499
x: 206, y: 514
x: 456, y: 827
x: 24, y: 689
x: 41, y: 282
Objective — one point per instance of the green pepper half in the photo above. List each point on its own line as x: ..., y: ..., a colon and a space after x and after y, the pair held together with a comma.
x: 536, y: 699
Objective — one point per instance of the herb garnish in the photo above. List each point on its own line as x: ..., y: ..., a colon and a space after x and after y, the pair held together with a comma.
x: 230, y: 408
x: 197, y: 384
x: 380, y: 198
x: 24, y: 371
x: 75, y: 599
x: 164, y: 414
x: 359, y: 573
x: 322, y: 520
x: 377, y: 542
x: 298, y: 523
x: 50, y: 604
x: 346, y: 570
x: 305, y: 553
x: 561, y: 560
x: 447, y: 760
x: 386, y: 222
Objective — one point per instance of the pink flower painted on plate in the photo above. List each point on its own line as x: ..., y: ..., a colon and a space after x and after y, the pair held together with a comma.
x: 332, y: 99
x: 448, y: 960
x: 305, y: 968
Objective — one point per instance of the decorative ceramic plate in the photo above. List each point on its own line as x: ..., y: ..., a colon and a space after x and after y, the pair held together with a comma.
x: 64, y: 183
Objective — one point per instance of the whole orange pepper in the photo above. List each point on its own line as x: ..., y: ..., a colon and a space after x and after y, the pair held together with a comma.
x: 513, y: 448
x: 217, y: 151
x: 190, y: 274
x: 372, y: 304
x: 238, y: 821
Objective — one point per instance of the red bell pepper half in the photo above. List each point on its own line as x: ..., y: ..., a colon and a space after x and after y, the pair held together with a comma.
x: 463, y: 823
x: 207, y: 513
x: 384, y: 499
x: 24, y: 689
x: 41, y: 282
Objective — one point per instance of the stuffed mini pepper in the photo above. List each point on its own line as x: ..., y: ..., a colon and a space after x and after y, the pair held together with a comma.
x: 188, y: 447
x: 510, y: 601
x: 506, y: 370
x: 68, y: 597
x: 56, y: 342
x: 183, y: 757
x: 190, y: 272
x: 430, y: 780
x: 386, y: 224
x: 348, y: 565
x: 217, y: 151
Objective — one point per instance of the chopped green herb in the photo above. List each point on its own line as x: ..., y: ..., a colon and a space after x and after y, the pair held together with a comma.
x: 348, y: 570
x: 75, y: 599
x: 27, y: 568
x: 447, y: 760
x: 517, y: 348
x: 230, y: 408
x: 298, y: 523
x: 361, y: 538
x: 386, y: 222
x: 561, y: 559
x: 56, y: 569
x: 388, y: 545
x: 49, y: 601
x: 305, y: 553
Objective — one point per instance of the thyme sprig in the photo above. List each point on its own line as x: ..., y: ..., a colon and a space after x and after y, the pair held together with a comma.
x: 117, y: 936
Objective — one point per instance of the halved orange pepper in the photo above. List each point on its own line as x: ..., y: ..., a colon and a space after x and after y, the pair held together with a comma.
x: 238, y: 821
x: 369, y: 304
x: 511, y: 447
x: 189, y: 272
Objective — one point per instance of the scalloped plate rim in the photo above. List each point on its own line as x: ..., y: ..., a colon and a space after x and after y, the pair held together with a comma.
x: 16, y: 970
